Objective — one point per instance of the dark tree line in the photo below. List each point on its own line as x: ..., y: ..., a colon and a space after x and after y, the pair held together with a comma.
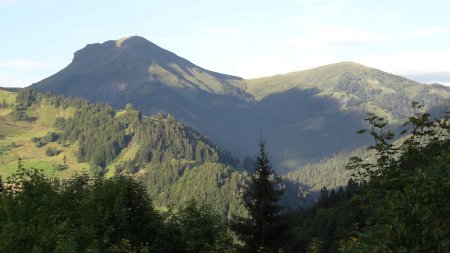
x: 323, y: 227
x: 82, y: 214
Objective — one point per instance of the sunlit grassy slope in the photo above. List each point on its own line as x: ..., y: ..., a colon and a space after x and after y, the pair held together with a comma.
x: 326, y: 78
x: 7, y: 96
x: 15, y: 141
x: 356, y: 87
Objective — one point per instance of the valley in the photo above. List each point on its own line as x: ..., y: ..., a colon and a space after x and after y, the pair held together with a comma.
x: 306, y: 116
x: 178, y: 143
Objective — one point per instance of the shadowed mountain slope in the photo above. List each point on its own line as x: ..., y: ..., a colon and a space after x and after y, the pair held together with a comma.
x: 305, y: 116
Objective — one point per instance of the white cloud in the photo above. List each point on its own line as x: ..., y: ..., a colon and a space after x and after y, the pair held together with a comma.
x: 429, y: 31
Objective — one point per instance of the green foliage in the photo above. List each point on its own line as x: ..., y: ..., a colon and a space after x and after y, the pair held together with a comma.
x: 407, y: 188
x: 26, y: 97
x: 59, y: 123
x: 49, y: 218
x: 39, y: 143
x: 308, y: 180
x: 102, y: 135
x: 19, y: 112
x: 197, y: 228
x: 51, y: 137
x: 263, y: 230
x: 61, y: 167
x: 213, y: 184
x: 42, y: 141
x: 322, y: 227
x: 158, y: 150
x: 4, y: 104
x: 51, y: 151
x: 315, y: 246
x: 28, y: 205
x: 162, y: 138
x: 41, y: 214
x: 99, y: 136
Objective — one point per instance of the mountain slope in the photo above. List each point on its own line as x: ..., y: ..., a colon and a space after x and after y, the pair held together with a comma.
x: 64, y: 136
x: 133, y: 66
x: 315, y: 113
x: 305, y: 116
x: 356, y: 86
x: 154, y: 79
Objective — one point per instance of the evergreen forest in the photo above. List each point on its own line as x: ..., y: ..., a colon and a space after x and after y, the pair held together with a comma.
x: 151, y: 184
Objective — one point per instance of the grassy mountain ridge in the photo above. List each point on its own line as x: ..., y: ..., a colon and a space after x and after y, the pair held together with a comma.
x: 356, y: 86
x: 323, y: 78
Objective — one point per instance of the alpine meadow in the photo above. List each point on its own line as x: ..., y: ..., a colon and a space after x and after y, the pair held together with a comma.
x: 133, y: 148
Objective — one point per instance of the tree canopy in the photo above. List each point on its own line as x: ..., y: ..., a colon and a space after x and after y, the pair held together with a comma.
x: 82, y: 214
x: 263, y: 229
x: 408, y: 187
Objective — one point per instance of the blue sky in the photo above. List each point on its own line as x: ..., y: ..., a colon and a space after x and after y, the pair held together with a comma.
x: 244, y: 38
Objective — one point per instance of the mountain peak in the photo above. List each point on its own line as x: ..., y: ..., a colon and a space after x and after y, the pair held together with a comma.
x: 134, y: 38
x: 348, y: 63
x: 134, y: 67
x: 341, y: 66
x: 134, y: 41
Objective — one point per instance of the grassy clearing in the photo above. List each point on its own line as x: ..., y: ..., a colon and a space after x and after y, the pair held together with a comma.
x: 15, y: 142
x: 9, y: 97
x: 128, y: 153
x: 48, y: 114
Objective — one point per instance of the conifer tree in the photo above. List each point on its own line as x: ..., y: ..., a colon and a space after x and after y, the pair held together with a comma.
x: 262, y: 231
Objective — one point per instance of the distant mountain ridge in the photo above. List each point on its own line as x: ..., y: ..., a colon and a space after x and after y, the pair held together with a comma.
x: 305, y: 116
x: 353, y: 85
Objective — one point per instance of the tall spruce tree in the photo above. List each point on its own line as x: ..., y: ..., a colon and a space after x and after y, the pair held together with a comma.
x: 262, y: 230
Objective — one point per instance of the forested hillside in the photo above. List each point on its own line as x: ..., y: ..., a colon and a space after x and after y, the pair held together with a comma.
x: 63, y: 136
x: 397, y: 202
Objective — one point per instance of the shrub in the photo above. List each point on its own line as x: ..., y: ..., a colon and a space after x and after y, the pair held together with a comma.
x: 51, y: 151
x: 61, y: 167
